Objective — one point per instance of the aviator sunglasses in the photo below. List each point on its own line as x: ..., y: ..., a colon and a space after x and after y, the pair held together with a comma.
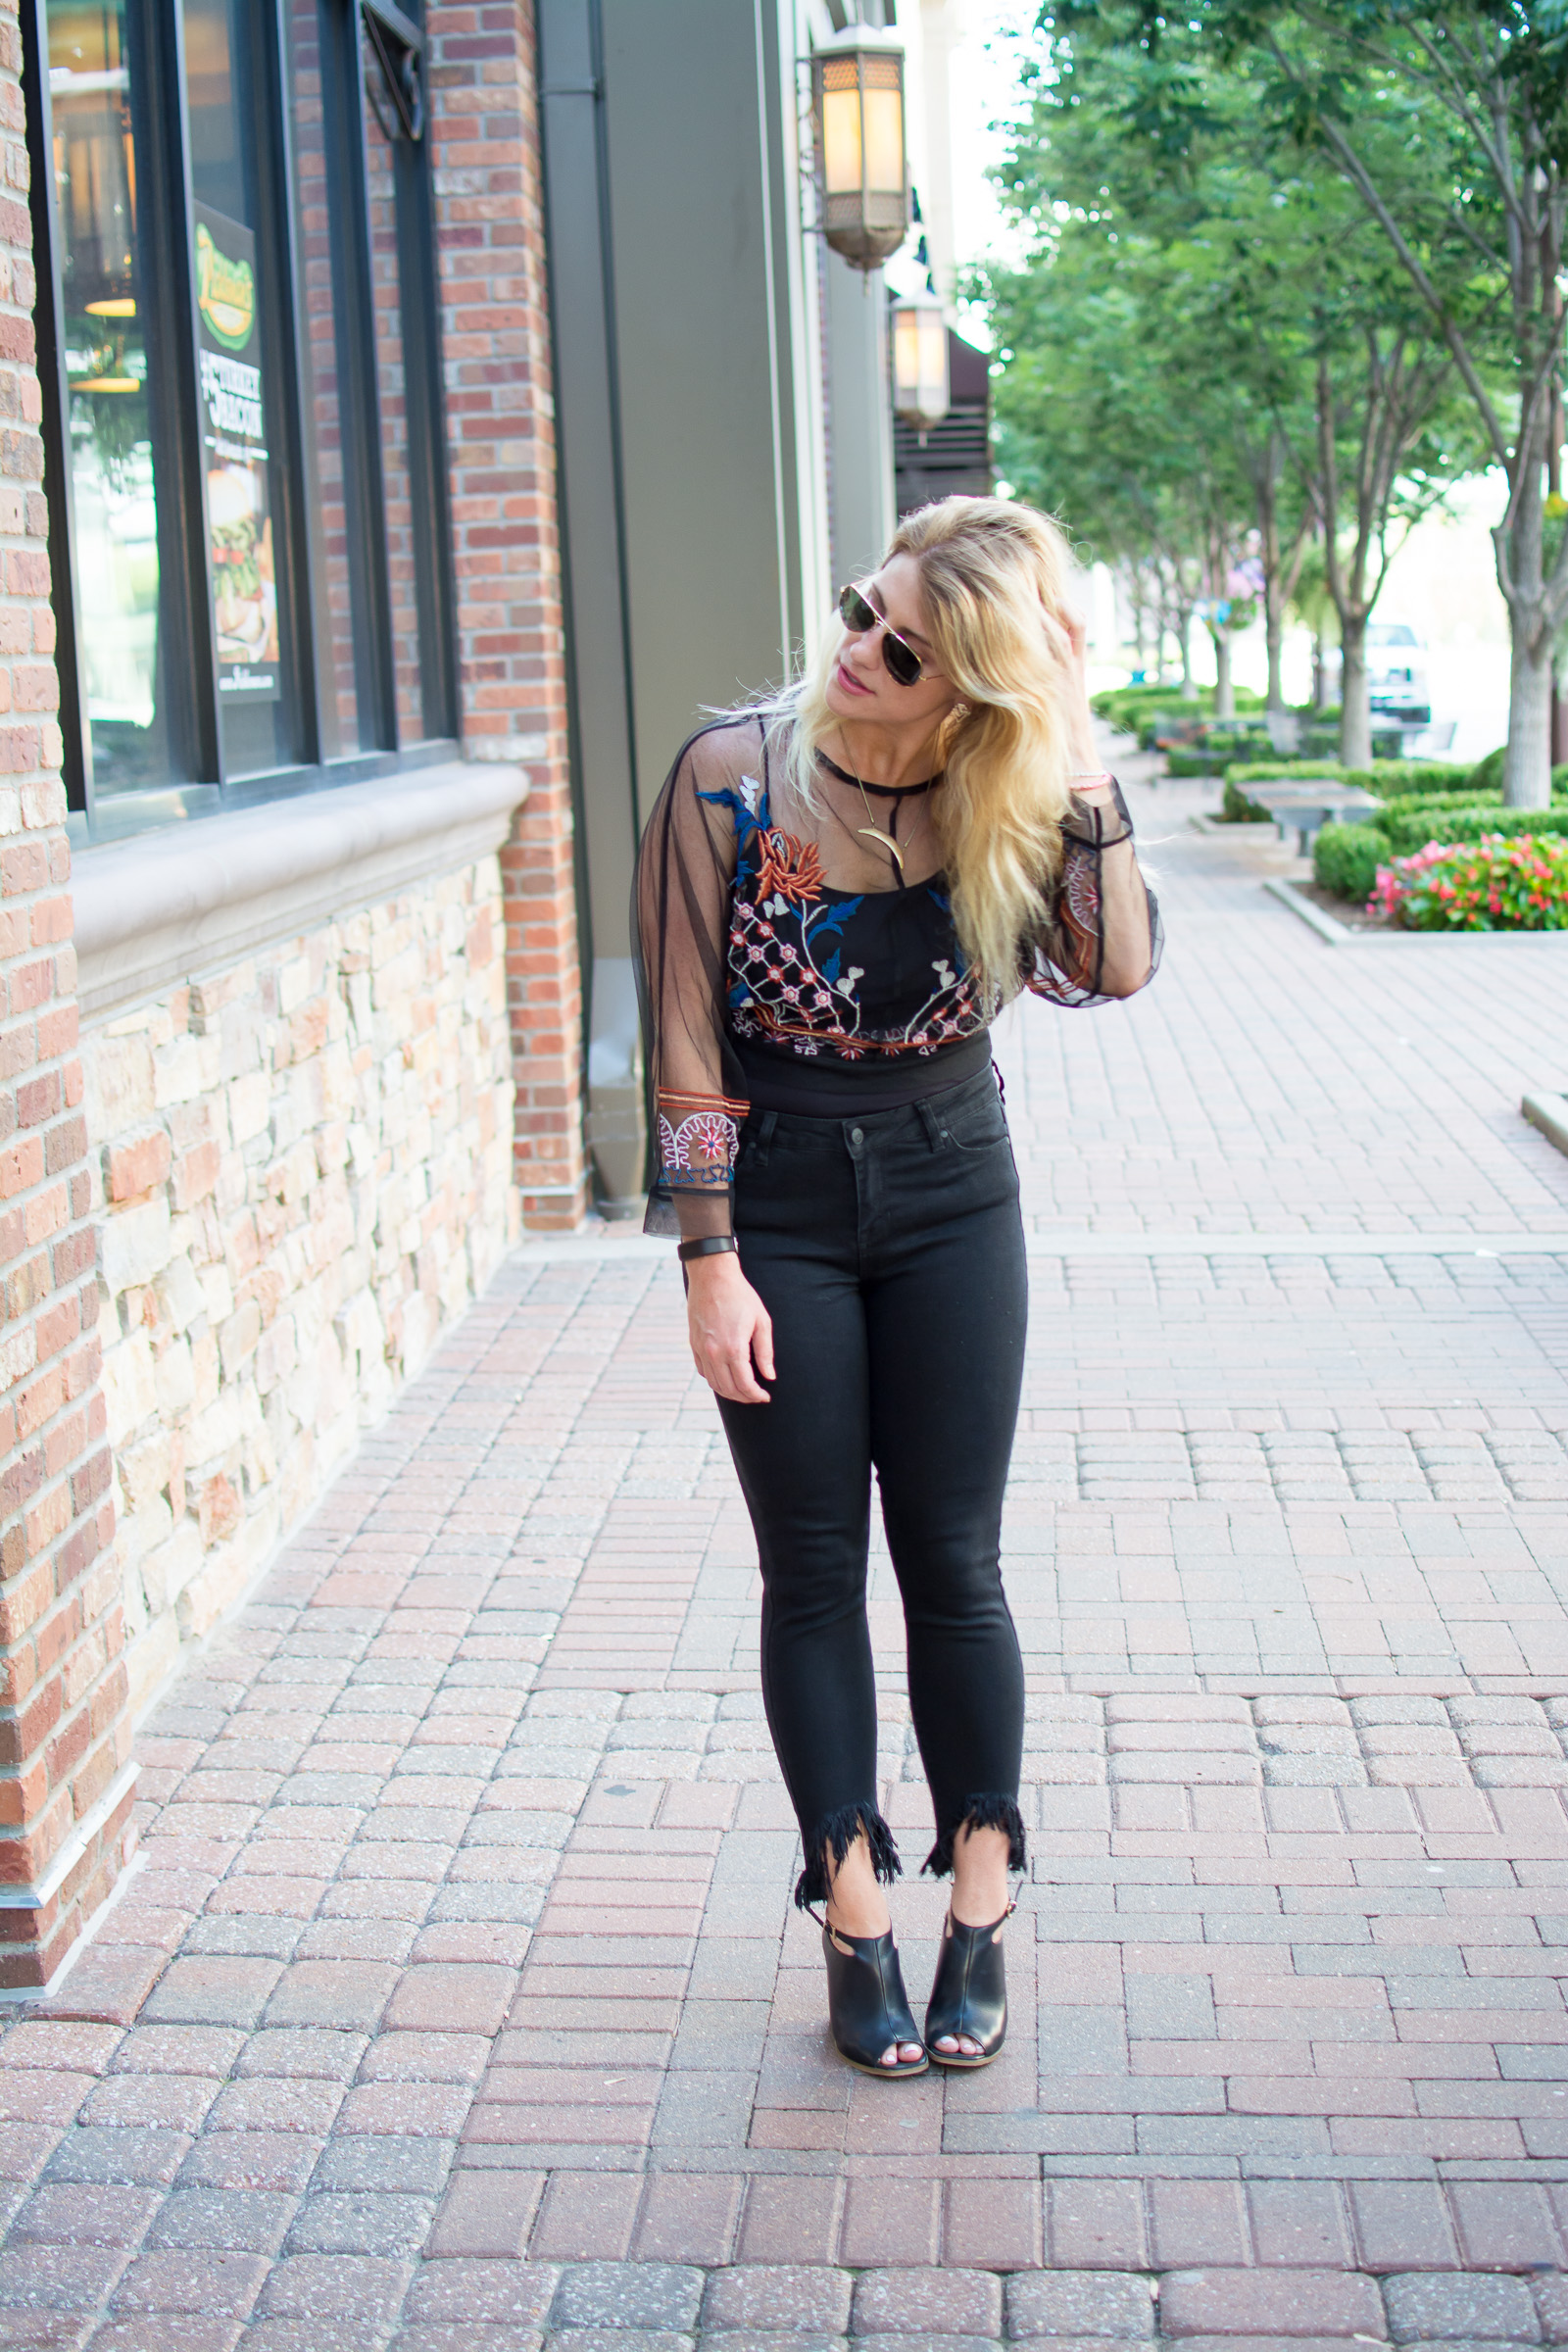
x: 859, y: 615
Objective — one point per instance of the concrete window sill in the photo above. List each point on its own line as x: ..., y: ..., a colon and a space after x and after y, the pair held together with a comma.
x: 154, y: 911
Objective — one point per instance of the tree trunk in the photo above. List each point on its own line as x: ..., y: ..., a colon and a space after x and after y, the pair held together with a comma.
x: 1184, y: 645
x: 1320, y: 673
x: 1521, y: 574
x: 1355, y: 701
x: 1268, y: 534
x: 1527, y: 773
x: 1275, y: 628
x: 1224, y: 689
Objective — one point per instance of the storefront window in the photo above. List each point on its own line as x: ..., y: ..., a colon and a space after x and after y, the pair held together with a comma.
x: 236, y: 294
x: 107, y: 335
x: 240, y: 356
x: 323, y: 419
x: 380, y: 186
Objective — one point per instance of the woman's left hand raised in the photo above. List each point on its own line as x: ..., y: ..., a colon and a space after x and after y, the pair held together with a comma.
x: 1067, y: 634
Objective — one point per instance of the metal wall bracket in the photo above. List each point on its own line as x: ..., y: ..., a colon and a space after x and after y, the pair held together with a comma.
x: 398, y: 47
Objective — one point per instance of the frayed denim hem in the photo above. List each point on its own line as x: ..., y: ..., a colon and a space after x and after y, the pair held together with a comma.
x: 986, y: 1812
x: 834, y: 1834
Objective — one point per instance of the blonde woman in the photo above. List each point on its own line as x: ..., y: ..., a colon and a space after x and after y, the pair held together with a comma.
x: 836, y: 895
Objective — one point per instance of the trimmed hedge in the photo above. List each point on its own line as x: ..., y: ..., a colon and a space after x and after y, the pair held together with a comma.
x: 1487, y: 775
x: 1384, y: 777
x: 1346, y: 860
x: 1221, y: 750
x: 1407, y: 829
x: 1138, y: 711
x: 1430, y: 784
x: 1123, y: 706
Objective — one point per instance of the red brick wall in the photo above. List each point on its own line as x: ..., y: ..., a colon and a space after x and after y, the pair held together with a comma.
x: 64, y: 1730
x: 501, y: 424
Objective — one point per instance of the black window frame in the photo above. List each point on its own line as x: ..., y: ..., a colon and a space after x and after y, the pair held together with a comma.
x: 360, y: 39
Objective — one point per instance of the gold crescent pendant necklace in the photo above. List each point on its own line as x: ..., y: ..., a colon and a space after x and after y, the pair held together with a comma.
x: 873, y: 832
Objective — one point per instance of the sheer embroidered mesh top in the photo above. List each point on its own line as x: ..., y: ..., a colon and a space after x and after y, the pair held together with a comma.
x: 805, y: 958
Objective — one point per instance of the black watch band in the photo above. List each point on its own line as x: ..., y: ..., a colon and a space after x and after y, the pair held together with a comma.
x: 711, y: 1245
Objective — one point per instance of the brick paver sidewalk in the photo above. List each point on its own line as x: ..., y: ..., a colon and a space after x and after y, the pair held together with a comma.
x: 460, y: 2000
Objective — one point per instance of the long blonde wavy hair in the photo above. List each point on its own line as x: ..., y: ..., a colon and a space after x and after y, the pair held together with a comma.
x: 988, y: 567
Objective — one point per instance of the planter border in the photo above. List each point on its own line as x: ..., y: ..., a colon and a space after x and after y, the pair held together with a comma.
x: 1341, y: 935
x: 1549, y: 1112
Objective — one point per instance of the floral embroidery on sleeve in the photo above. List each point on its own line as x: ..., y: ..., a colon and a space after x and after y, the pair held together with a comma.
x: 699, y: 1137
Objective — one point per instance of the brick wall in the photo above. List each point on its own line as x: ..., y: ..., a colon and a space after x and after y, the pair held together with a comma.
x: 301, y: 1164
x: 65, y: 1736
x: 501, y: 425
x: 303, y: 1174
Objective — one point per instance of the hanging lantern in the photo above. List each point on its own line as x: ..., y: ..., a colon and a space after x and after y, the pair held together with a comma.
x: 920, y: 389
x: 858, y: 102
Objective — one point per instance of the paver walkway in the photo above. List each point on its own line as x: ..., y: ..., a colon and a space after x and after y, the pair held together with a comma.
x: 460, y: 2000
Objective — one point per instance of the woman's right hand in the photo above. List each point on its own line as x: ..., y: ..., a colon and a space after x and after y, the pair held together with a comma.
x: 730, y: 1329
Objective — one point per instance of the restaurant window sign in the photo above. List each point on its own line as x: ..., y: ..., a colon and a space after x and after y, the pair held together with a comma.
x: 244, y: 451
x: 242, y: 577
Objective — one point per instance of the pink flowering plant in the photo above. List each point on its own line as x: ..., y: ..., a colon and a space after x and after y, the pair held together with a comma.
x: 1502, y: 882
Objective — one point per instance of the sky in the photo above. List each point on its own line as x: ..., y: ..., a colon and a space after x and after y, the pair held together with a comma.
x: 985, y: 78
x: 983, y: 87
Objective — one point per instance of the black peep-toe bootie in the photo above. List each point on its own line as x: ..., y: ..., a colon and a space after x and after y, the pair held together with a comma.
x: 868, y: 2010
x: 969, y: 1997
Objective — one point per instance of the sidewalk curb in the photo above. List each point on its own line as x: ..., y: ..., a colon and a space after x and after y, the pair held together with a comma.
x: 1341, y: 935
x: 1549, y: 1112
x: 1318, y: 918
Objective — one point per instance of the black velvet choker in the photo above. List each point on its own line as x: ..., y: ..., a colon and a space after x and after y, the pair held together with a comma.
x: 886, y: 791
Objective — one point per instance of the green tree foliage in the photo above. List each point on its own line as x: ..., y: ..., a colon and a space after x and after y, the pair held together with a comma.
x: 1283, y: 351
x: 1449, y: 121
x: 1102, y: 418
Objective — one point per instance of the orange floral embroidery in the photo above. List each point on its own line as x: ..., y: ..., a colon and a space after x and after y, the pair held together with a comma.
x: 791, y: 868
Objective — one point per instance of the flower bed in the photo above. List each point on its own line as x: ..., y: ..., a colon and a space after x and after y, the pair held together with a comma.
x: 1502, y: 882
x: 1346, y: 859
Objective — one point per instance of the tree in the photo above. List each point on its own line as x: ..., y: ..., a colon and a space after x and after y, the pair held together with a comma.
x: 1297, y: 327
x: 1110, y: 413
x: 1392, y: 429
x: 1476, y: 93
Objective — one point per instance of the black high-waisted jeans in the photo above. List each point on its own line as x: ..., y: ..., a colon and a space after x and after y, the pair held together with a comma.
x: 889, y: 1250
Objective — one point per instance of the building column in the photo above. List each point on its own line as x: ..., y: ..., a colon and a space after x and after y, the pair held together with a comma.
x: 511, y: 661
x: 65, y: 1775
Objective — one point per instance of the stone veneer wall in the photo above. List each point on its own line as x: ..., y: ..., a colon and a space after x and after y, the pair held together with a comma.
x: 302, y: 1163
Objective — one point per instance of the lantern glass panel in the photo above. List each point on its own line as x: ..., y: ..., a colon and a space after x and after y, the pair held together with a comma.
x: 884, y: 141
x: 933, y: 352
x: 920, y: 359
x: 906, y: 354
x: 842, y: 149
